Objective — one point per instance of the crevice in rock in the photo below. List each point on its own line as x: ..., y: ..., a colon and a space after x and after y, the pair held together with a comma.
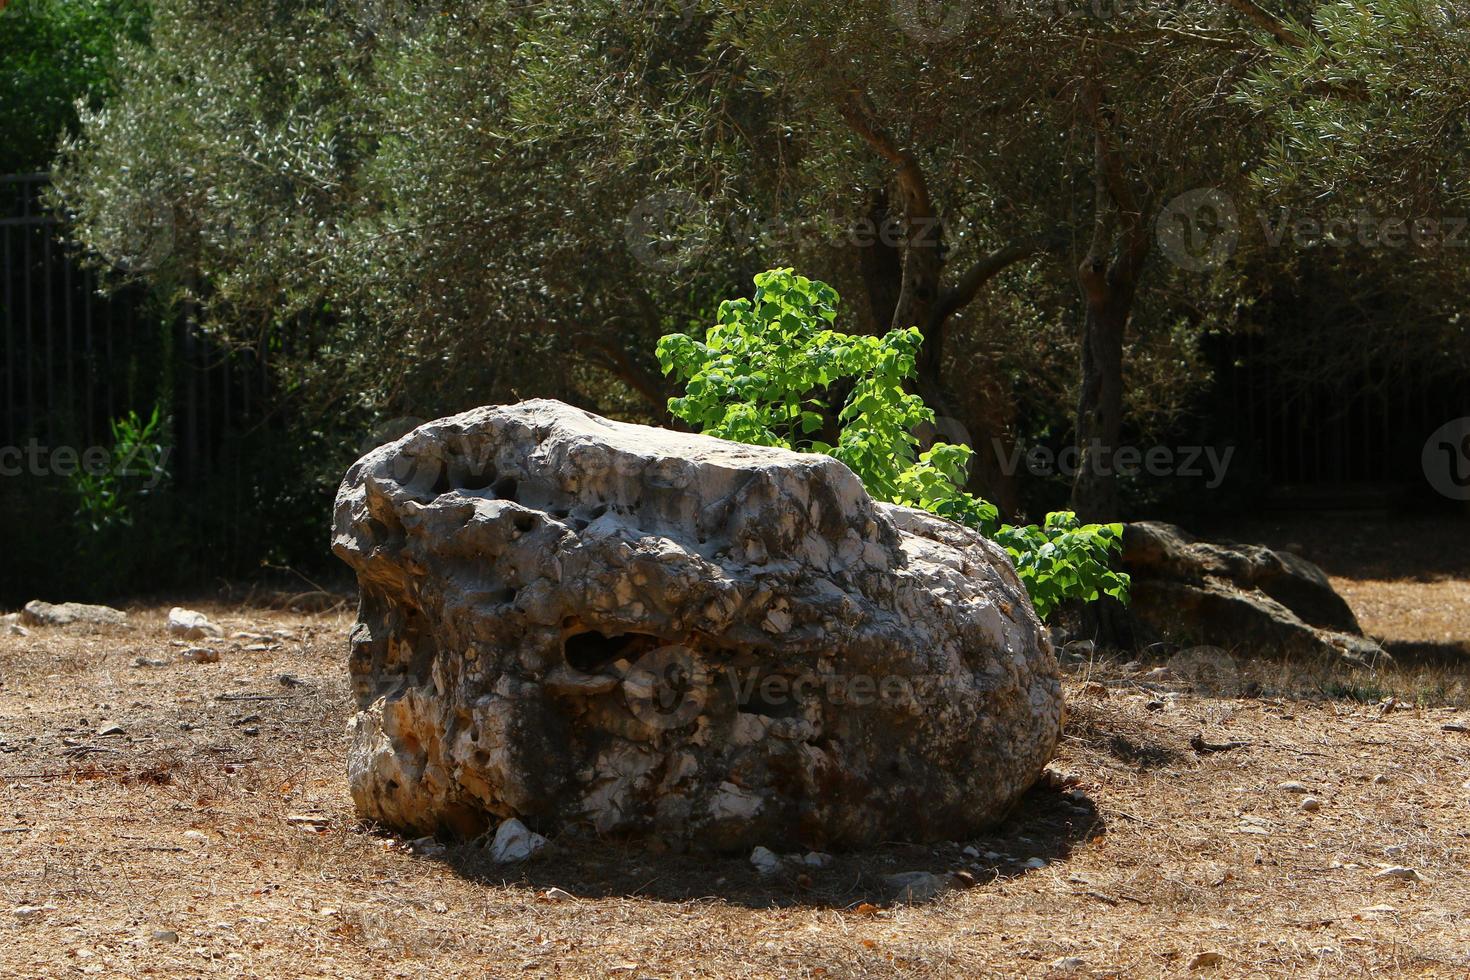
x: 771, y: 696
x: 592, y: 651
x: 505, y: 488
x: 469, y: 479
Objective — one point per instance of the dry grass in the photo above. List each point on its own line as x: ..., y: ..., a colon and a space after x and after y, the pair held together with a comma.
x: 1157, y: 853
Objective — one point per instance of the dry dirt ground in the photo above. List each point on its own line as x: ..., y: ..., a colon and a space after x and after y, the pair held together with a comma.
x: 213, y: 836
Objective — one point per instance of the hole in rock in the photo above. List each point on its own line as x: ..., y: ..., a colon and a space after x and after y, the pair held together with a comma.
x: 597, y: 512
x: 471, y: 479
x: 505, y: 488
x: 441, y: 482
x: 580, y: 523
x: 524, y: 522
x: 773, y: 696
x: 591, y: 651
x: 507, y: 594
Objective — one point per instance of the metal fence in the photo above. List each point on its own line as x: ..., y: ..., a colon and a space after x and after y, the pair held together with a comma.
x: 74, y: 359
x: 1347, y: 441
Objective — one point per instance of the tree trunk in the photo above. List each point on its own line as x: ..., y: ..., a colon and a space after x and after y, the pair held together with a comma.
x: 1100, y: 402
x: 1108, y: 279
x: 880, y: 263
x: 923, y: 302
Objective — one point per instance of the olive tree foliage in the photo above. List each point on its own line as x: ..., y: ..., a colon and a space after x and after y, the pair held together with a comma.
x: 54, y: 54
x: 347, y: 187
x: 1009, y: 157
x: 1368, y: 111
x: 1372, y: 100
x: 417, y: 207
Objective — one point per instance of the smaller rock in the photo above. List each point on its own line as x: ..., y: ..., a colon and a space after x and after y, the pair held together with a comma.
x: 1203, y: 960
x: 200, y: 655
x: 426, y: 847
x: 38, y: 613
x: 27, y: 913
x: 307, y: 820
x: 1455, y: 726
x: 112, y: 730
x: 1036, y: 864
x: 1399, y: 872
x: 1095, y: 690
x: 15, y: 629
x: 1292, y: 786
x: 1067, y: 964
x: 1310, y: 804
x: 1380, y: 779
x: 149, y: 662
x: 1058, y: 779
x: 190, y: 625
x: 165, y: 936
x: 514, y: 842
x: 916, y: 886
x: 195, y: 835
x: 557, y: 895
x: 1394, y: 850
x: 1079, y: 650
x: 764, y: 861
x: 1155, y: 705
x: 1374, y: 911
x: 816, y: 859
x: 252, y: 731
x: 971, y: 851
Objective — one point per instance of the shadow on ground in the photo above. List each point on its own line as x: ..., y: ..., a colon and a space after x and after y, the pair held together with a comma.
x: 1045, y: 827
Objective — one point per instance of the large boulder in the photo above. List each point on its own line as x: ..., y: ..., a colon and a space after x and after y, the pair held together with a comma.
x: 1244, y: 598
x: 610, y: 629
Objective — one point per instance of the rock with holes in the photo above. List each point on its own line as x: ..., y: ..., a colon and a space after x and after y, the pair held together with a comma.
x: 606, y: 629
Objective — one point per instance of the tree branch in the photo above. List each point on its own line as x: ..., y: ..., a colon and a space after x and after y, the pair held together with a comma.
x: 1266, y: 21
x: 963, y: 293
x: 1112, y: 188
x: 858, y: 112
x: 616, y: 361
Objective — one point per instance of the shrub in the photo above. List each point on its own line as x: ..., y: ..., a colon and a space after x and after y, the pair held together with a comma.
x: 769, y: 371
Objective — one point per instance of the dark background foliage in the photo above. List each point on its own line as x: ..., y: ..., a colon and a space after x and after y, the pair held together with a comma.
x: 313, y: 222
